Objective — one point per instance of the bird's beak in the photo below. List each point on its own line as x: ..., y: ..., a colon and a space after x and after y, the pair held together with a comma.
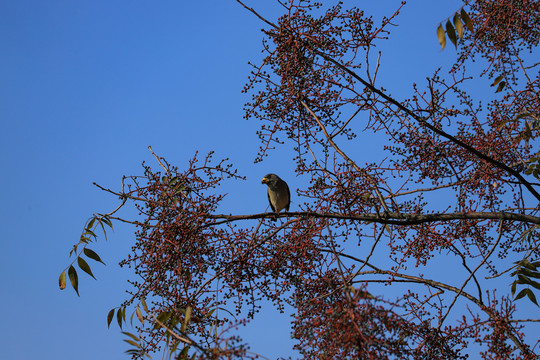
x: 264, y: 180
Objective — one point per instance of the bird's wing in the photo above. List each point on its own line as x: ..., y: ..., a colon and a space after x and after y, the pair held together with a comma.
x: 288, y: 197
x: 269, y: 200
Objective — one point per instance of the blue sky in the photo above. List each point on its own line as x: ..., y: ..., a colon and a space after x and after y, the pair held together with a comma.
x: 86, y: 87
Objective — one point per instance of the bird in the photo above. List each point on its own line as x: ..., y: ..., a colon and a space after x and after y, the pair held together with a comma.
x: 279, y: 195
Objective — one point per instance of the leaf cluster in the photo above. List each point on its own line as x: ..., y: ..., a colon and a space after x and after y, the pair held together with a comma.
x: 81, y: 248
x: 454, y: 30
x: 526, y: 273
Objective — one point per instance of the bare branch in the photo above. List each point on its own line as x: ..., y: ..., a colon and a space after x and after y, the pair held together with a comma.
x: 388, y: 218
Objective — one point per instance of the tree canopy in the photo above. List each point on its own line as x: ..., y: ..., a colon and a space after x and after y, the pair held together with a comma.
x: 453, y: 186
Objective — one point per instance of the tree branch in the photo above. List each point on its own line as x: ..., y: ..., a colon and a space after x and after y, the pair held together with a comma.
x: 388, y: 218
x: 423, y: 122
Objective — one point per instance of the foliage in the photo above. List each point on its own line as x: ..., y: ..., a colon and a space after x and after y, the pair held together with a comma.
x: 454, y: 29
x: 383, y: 256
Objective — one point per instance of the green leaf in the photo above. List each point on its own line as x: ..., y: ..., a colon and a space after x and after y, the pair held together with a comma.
x: 107, y: 221
x: 74, y: 250
x: 89, y: 232
x: 531, y: 296
x: 92, y: 255
x: 134, y: 337
x: 173, y: 181
x: 208, y: 314
x: 458, y: 25
x: 173, y: 348
x: 441, y: 36
x: 523, y: 280
x: 110, y: 316
x: 529, y: 273
x: 187, y: 318
x: 139, y: 315
x: 162, y: 318
x: 119, y: 317
x: 535, y: 284
x: 91, y: 223
x: 131, y: 342
x: 143, y: 303
x: 72, y: 273
x: 85, y: 267
x: 497, y: 80
x: 451, y: 33
x: 103, y: 228
x: 62, y: 280
x: 501, y: 86
x: 522, y: 115
x: 465, y: 17
x: 528, y: 132
x: 521, y: 294
x: 525, y: 263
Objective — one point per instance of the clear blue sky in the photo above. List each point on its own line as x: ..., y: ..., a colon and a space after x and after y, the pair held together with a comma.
x: 86, y: 86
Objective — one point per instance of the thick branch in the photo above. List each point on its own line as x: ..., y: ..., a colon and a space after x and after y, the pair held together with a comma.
x: 387, y: 218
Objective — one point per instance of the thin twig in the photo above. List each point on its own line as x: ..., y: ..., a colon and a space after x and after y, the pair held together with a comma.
x: 472, y: 274
x: 349, y: 160
x: 159, y: 160
x: 257, y: 14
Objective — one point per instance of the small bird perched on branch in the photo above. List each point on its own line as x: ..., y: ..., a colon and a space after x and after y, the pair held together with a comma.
x: 279, y: 195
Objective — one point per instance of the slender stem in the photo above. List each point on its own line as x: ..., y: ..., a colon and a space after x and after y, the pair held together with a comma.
x: 349, y: 160
x: 257, y: 14
x: 472, y: 275
x: 159, y: 160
